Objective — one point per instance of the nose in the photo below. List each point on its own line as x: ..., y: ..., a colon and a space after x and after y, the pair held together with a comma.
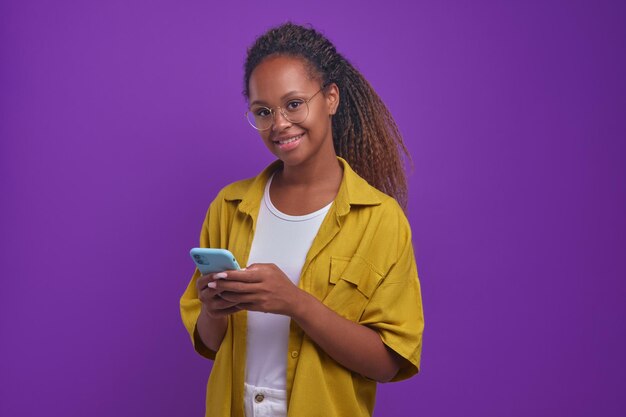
x: 280, y: 121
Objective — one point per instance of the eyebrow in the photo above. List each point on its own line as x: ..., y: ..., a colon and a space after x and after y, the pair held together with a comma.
x: 293, y: 92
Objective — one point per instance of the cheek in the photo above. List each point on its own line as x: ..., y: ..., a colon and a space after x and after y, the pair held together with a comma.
x: 265, y: 137
x: 319, y: 124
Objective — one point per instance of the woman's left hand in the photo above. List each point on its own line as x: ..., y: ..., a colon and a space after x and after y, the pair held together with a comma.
x: 259, y: 287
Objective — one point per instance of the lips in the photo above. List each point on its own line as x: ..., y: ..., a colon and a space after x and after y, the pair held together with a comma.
x: 285, y: 141
x: 288, y: 143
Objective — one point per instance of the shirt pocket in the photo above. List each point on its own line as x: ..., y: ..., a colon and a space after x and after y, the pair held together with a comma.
x: 352, y: 283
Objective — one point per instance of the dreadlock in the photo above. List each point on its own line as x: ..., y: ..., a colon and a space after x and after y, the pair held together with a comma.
x: 364, y: 132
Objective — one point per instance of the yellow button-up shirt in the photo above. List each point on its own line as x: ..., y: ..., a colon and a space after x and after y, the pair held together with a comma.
x: 361, y: 265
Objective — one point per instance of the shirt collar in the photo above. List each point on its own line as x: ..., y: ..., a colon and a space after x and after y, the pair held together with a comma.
x: 353, y: 191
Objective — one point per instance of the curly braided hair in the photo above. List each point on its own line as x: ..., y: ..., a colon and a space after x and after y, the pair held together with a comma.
x: 364, y: 132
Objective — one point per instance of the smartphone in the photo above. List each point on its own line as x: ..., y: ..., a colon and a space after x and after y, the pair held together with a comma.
x: 209, y: 260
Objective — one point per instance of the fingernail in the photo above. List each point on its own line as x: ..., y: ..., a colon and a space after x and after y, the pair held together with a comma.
x: 212, y: 284
x: 220, y: 275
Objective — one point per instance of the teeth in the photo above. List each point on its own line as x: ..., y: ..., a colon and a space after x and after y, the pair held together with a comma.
x: 283, y: 142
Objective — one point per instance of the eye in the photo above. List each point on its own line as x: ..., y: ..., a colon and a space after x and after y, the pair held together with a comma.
x: 262, y: 112
x: 294, y: 105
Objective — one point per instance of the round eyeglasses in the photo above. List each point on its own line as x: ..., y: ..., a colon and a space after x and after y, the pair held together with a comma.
x: 294, y: 110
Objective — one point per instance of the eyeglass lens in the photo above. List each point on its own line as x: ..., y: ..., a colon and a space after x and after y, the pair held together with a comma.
x: 262, y: 118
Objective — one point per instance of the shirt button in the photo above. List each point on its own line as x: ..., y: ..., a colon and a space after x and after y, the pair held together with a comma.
x: 294, y: 354
x: 259, y: 398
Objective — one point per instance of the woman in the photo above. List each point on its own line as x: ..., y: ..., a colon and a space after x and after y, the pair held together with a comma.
x: 329, y: 256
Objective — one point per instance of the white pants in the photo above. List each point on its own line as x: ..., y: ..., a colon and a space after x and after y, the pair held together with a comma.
x: 264, y: 402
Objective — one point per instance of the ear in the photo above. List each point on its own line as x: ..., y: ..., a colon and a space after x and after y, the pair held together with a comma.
x: 332, y: 98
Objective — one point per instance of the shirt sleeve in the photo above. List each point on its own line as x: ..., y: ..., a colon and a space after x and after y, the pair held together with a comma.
x: 395, y: 309
x: 190, y: 305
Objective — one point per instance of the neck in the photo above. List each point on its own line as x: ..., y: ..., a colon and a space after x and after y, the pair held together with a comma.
x: 312, y: 173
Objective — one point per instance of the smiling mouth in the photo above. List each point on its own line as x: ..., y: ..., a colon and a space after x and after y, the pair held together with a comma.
x: 286, y: 141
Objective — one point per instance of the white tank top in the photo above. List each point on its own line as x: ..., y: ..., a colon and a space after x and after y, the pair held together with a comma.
x: 283, y: 240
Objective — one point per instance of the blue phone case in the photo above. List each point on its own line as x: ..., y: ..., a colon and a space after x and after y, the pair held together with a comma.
x: 209, y: 260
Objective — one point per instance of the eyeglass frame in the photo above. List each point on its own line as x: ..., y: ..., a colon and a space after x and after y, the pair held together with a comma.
x: 282, y: 111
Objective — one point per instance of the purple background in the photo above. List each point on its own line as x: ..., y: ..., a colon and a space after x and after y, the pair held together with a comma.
x: 120, y: 120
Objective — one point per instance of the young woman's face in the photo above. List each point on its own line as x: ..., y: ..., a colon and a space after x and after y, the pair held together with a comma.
x: 281, y: 81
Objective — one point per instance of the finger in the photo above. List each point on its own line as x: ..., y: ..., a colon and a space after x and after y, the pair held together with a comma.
x: 234, y: 286
x: 247, y: 306
x: 207, y: 295
x: 243, y: 275
x: 221, y: 304
x: 204, y: 280
x: 201, y: 282
x: 216, y: 304
x: 238, y: 297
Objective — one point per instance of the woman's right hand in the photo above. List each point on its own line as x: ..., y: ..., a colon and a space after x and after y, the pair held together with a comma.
x: 212, y: 304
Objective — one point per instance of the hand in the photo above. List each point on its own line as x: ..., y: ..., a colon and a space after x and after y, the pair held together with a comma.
x: 259, y: 287
x: 212, y: 303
